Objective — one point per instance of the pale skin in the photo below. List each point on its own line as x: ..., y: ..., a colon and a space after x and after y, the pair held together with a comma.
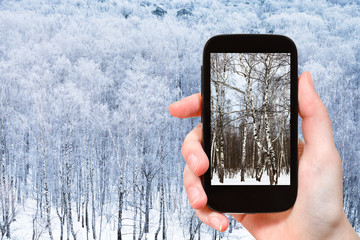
x: 318, y: 211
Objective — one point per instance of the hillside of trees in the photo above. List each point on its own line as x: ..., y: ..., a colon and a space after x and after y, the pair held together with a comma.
x: 88, y: 149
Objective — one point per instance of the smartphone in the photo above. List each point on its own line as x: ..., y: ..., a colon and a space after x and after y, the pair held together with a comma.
x: 249, y: 116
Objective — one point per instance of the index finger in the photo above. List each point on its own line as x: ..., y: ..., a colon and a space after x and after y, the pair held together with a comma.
x: 187, y: 107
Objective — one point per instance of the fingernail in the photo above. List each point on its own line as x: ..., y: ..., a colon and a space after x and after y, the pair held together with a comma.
x: 310, y: 80
x: 193, y: 194
x: 193, y: 162
x: 170, y: 108
x: 215, y: 222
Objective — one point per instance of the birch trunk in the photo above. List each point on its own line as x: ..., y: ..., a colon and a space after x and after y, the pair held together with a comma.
x: 161, y: 211
x: 121, y: 188
x: 219, y: 63
x: 62, y: 213
x: 147, y: 202
x: 213, y: 155
x: 79, y: 194
x: 5, y: 189
x: 93, y: 217
x: 270, y: 152
x: 46, y: 188
x: 68, y: 190
x: 243, y: 154
x: 253, y: 165
x: 135, y: 182
x: 120, y: 207
x: 221, y: 127
x: 86, y: 181
x: 253, y: 115
x: 218, y: 138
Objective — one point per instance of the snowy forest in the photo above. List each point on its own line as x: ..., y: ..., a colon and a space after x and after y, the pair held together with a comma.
x: 250, y: 107
x: 88, y: 148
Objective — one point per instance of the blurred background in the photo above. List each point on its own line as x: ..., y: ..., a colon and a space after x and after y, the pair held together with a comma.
x: 88, y: 148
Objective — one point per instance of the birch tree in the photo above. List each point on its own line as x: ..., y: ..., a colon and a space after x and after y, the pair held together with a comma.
x: 258, y: 80
x: 219, y: 74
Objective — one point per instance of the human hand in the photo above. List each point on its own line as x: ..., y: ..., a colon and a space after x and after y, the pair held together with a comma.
x: 318, y: 211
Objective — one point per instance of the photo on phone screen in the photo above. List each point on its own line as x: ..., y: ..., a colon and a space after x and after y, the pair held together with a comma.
x: 250, y: 118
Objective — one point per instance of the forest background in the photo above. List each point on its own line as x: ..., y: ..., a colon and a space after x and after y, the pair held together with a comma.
x: 88, y: 149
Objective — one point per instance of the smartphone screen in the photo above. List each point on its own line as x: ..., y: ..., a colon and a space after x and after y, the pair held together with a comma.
x: 250, y: 118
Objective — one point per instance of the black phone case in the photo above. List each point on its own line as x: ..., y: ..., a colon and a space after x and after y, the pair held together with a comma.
x: 250, y: 198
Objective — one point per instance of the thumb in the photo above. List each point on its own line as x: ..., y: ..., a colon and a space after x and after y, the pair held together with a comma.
x: 316, y: 125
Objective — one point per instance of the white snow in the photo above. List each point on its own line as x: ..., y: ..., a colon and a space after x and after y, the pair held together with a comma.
x: 22, y: 228
x: 284, y: 179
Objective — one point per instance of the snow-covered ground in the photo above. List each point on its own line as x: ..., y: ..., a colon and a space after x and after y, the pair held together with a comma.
x: 283, y: 180
x: 22, y: 228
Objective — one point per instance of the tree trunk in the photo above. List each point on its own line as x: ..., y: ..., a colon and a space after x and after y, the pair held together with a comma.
x: 122, y: 169
x: 191, y: 228
x: 270, y: 148
x: 5, y: 189
x: 163, y: 215
x: 62, y: 213
x: 69, y: 213
x: 253, y: 165
x: 161, y: 210
x: 135, y: 208
x: 121, y: 195
x: 219, y: 66
x: 93, y: 217
x: 79, y: 194
x: 222, y: 139
x: 147, y: 204
x: 135, y: 181
x: 87, y: 180
x: 34, y: 232
x: 47, y: 197
x: 246, y: 123
x: 141, y: 213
